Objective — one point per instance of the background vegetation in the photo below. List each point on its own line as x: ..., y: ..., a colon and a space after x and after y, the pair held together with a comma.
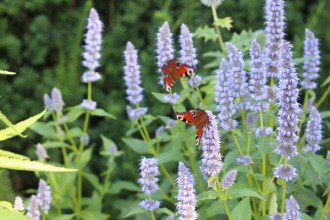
x: 41, y: 41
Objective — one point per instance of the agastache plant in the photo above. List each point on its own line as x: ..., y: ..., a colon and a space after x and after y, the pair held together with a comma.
x: 312, y: 62
x: 240, y: 86
x: 274, y: 36
x: 314, y: 130
x: 33, y: 208
x: 164, y: 47
x: 292, y: 209
x: 224, y: 97
x: 288, y: 114
x: 44, y: 196
x: 229, y: 179
x: 211, y: 157
x: 132, y: 77
x: 92, y: 55
x: 186, y: 205
x: 149, y: 172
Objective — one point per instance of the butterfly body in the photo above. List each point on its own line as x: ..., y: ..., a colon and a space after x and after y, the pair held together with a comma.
x: 197, y: 117
x: 173, y: 70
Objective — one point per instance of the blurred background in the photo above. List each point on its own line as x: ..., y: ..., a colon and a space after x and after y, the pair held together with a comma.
x: 41, y: 40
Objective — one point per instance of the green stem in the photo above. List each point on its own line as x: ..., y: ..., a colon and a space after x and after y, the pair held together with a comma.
x: 223, y: 198
x: 300, y: 183
x: 237, y: 144
x: 326, y: 207
x: 283, y: 197
x: 217, y: 30
x: 323, y: 97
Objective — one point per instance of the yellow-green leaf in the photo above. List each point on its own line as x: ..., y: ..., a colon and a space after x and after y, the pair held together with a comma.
x: 207, y: 33
x: 224, y: 22
x: 12, y: 215
x: 27, y: 165
x: 18, y: 128
x: 4, y: 72
x: 5, y: 153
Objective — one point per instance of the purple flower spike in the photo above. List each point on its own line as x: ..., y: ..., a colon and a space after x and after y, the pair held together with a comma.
x: 135, y: 113
x: 148, y: 172
x: 41, y: 152
x: 224, y: 97
x: 288, y: 95
x: 187, y: 52
x: 258, y: 79
x: 57, y: 100
x: 314, y: 130
x: 44, y: 196
x: 245, y: 160
x: 150, y: 205
x: 277, y: 216
x: 171, y: 98
x: 240, y: 86
x: 88, y: 104
x: 132, y: 75
x: 165, y: 50
x: 286, y: 173
x: 229, y: 179
x: 311, y: 65
x: 93, y: 41
x: 274, y: 36
x: 292, y: 209
x: 18, y: 204
x: 186, y: 194
x: 211, y: 157
x: 195, y: 81
x: 33, y: 209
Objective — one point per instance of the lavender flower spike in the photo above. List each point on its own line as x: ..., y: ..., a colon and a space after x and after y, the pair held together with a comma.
x: 240, y: 86
x: 57, y: 100
x: 93, y: 41
x: 132, y: 75
x: 258, y: 79
x: 88, y: 104
x: 18, y: 204
x: 211, y: 157
x: 289, y: 107
x: 41, y: 152
x: 311, y: 65
x: 171, y: 98
x: 286, y: 173
x: 292, y: 208
x: 135, y: 113
x: 314, y: 130
x: 165, y: 50
x: 229, y: 179
x: 224, y: 97
x: 186, y: 194
x: 33, y: 209
x: 274, y: 36
x: 187, y: 52
x: 44, y: 196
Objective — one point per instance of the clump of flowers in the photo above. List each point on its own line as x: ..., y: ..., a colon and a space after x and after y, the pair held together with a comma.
x: 314, y: 130
x: 292, y: 209
x: 229, y: 179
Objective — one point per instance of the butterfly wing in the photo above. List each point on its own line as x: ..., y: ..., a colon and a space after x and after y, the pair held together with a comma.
x: 197, y: 117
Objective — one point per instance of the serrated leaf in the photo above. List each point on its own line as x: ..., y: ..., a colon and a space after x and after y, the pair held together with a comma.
x: 6, y: 205
x: 224, y: 22
x: 242, y: 41
x: 240, y: 191
x: 19, y: 127
x: 135, y: 211
x: 12, y: 215
x: 27, y: 165
x: 137, y: 145
x: 4, y: 72
x: 8, y: 123
x: 319, y: 164
x: 206, y: 32
x: 5, y: 153
x: 207, y: 195
x: 118, y: 186
x: 101, y: 113
x: 242, y: 210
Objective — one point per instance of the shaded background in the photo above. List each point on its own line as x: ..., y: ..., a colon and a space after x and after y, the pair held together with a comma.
x: 41, y: 41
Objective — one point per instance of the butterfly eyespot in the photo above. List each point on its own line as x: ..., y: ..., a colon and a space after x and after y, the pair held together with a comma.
x: 204, y: 128
x: 197, y: 141
x: 190, y: 72
x: 178, y: 64
x: 168, y: 88
x: 179, y: 117
x: 193, y: 113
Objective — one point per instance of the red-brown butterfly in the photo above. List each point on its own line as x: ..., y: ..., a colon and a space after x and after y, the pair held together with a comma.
x: 196, y: 117
x: 173, y: 70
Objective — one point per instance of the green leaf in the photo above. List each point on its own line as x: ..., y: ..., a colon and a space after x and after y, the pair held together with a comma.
x: 101, y: 113
x: 12, y: 215
x: 327, y: 81
x: 27, y: 165
x: 6, y: 121
x: 86, y: 156
x: 4, y: 72
x: 304, y: 216
x: 297, y: 61
x: 44, y: 129
x: 319, y: 164
x: 135, y: 211
x: 325, y: 114
x: 55, y: 144
x: 93, y: 180
x: 137, y: 145
x: 224, y: 22
x: 118, y: 186
x: 74, y: 113
x: 206, y: 32
x: 167, y: 156
x: 6, y: 205
x: 242, y: 210
x: 273, y: 204
x: 165, y: 211
x: 242, y: 41
x: 5, y: 153
x: 241, y: 191
x: 64, y: 217
x: 19, y: 127
x: 207, y: 195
